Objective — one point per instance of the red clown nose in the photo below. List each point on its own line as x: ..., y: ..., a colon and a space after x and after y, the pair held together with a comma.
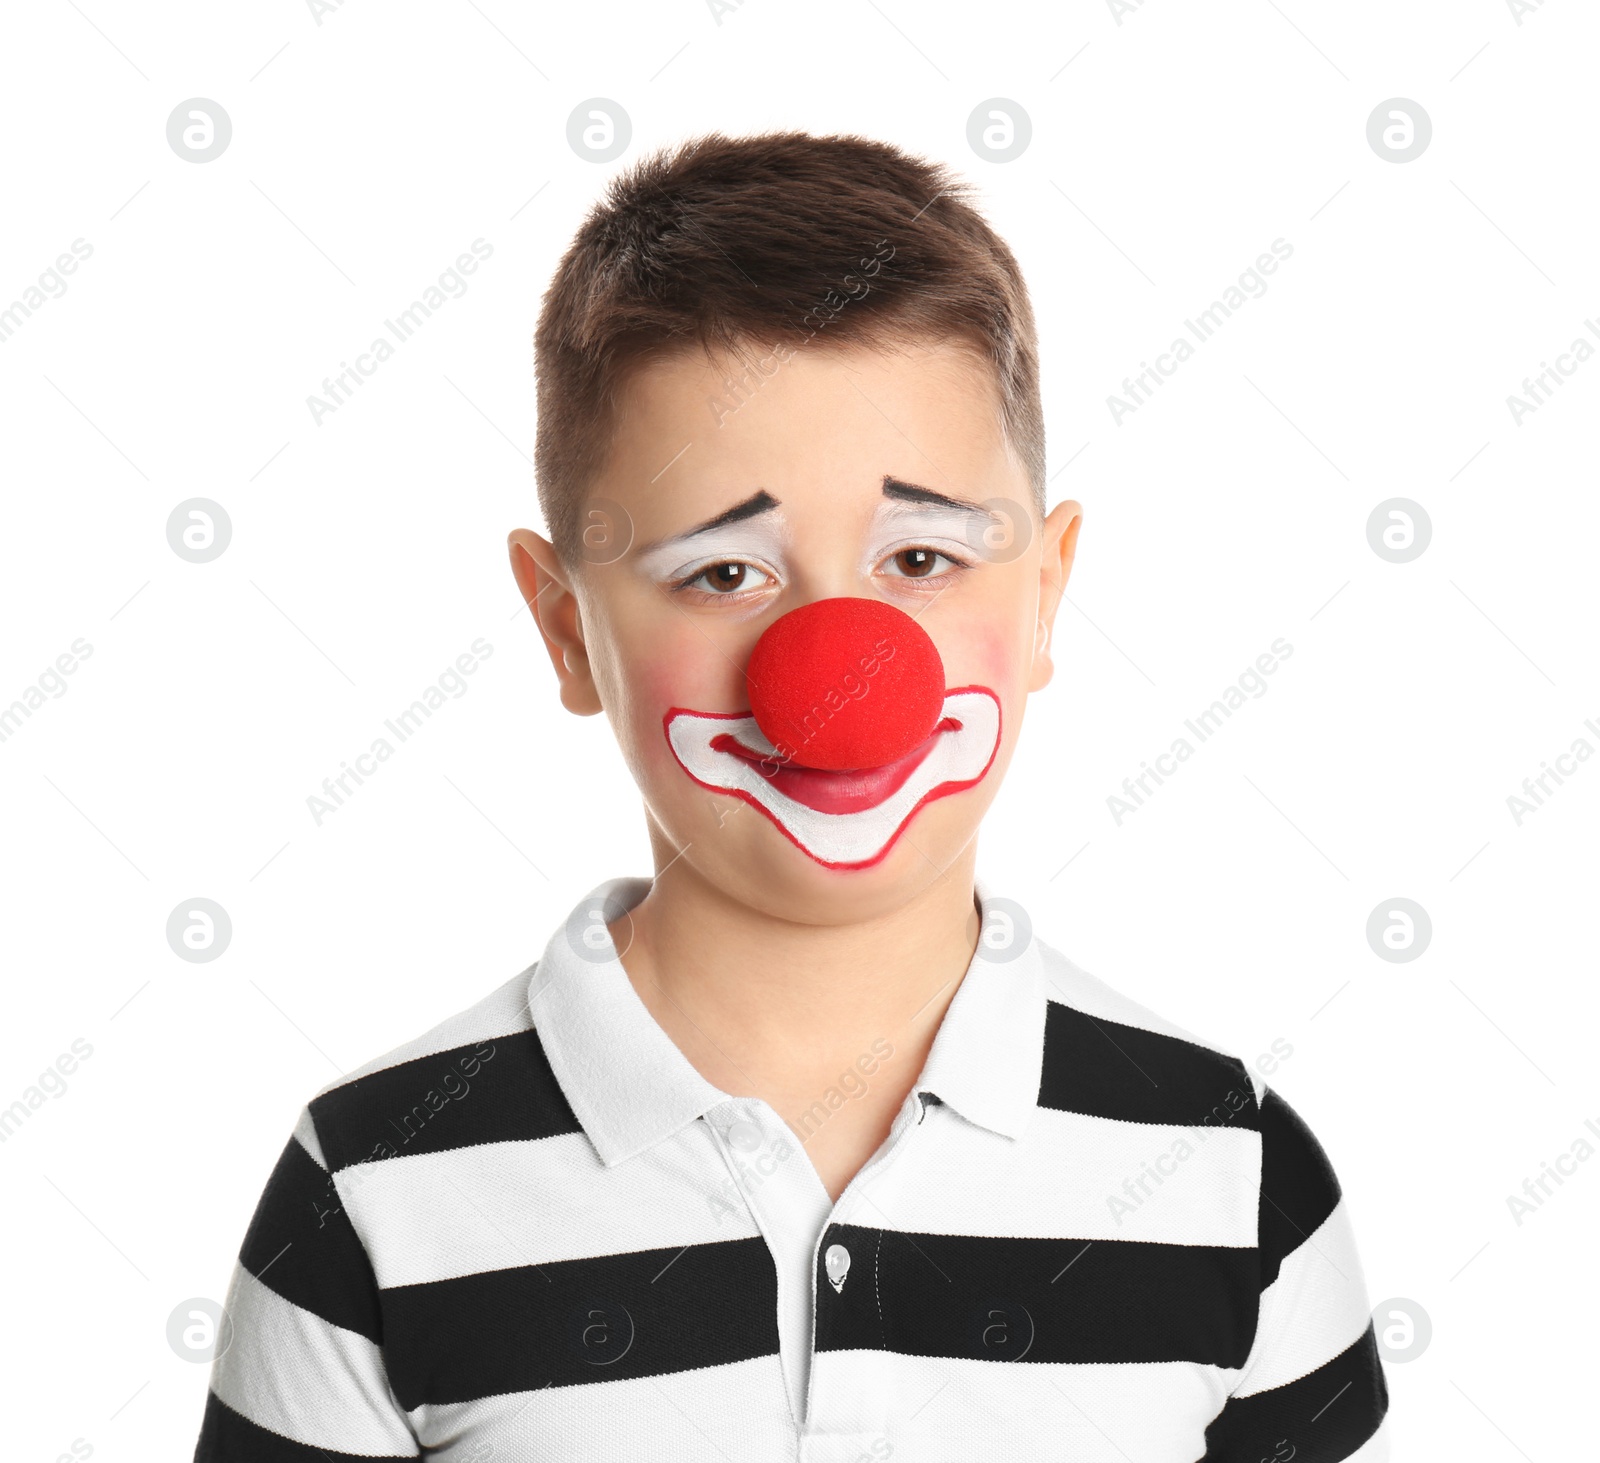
x: 841, y: 684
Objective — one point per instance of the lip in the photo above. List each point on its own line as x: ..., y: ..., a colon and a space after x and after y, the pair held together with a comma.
x: 843, y: 820
x: 836, y: 792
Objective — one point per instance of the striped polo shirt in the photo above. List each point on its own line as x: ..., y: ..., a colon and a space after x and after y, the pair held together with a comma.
x: 537, y: 1233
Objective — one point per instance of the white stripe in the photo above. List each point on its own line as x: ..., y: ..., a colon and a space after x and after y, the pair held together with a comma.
x: 305, y: 1130
x: 503, y: 1012
x: 433, y: 1216
x: 1316, y: 1308
x: 1074, y: 986
x: 305, y: 1378
x: 429, y: 1217
x: 960, y: 1179
x: 955, y: 1411
x: 738, y: 1412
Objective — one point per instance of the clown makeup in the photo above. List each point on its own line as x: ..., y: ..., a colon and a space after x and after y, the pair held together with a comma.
x: 844, y: 820
x: 911, y: 517
x: 915, y: 545
x: 751, y: 533
x: 741, y: 555
x: 866, y: 477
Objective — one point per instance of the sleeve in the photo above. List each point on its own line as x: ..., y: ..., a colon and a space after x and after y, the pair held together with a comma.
x: 1312, y: 1387
x: 299, y: 1376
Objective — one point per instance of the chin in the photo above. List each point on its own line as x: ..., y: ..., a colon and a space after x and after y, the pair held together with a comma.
x: 764, y: 871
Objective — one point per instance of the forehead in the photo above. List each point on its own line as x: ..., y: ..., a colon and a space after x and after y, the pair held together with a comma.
x: 819, y: 431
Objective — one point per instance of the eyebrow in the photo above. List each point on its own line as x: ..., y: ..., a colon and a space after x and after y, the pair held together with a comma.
x: 760, y: 501
x: 911, y: 493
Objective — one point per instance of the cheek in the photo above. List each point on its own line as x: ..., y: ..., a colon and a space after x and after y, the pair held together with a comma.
x: 690, y: 671
x: 669, y: 670
x: 984, y: 656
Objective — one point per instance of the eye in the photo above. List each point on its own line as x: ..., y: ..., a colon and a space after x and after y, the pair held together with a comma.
x: 727, y: 578
x: 920, y: 563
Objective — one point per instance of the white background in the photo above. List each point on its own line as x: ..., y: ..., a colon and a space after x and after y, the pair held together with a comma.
x: 1168, y: 151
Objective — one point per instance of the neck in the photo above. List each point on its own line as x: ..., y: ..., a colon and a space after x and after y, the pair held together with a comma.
x: 760, y: 1004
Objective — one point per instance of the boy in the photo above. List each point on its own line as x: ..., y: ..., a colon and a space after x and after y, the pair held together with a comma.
x: 800, y: 1149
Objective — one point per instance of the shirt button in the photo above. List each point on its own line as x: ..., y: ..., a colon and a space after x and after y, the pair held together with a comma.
x: 837, y: 1261
x: 744, y: 1135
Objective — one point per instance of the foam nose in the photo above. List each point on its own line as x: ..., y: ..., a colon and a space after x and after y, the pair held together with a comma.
x: 840, y: 684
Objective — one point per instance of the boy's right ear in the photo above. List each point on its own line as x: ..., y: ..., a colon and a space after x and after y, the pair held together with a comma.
x: 546, y: 585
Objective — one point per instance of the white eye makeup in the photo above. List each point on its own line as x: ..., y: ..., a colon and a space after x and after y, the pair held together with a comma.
x: 751, y: 548
x: 923, y: 541
x: 918, y: 545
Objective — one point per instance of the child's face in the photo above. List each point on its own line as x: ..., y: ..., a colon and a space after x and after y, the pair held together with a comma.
x: 667, y: 628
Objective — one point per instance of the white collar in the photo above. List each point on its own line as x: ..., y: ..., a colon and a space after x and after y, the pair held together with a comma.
x: 631, y: 1087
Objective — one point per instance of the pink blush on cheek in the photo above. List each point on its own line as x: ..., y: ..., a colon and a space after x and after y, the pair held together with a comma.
x: 686, y: 669
x: 653, y: 692
x: 662, y: 682
x: 997, y: 655
x: 987, y: 659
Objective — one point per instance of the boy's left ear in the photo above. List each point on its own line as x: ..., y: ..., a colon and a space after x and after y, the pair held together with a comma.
x: 1055, y: 564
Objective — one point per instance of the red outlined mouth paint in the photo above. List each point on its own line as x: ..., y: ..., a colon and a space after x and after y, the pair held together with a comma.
x: 843, y: 819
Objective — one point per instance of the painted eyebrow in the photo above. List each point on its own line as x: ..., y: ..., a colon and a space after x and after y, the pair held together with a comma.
x: 759, y: 502
x: 911, y: 493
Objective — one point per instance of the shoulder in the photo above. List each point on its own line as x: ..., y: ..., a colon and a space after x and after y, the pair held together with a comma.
x: 503, y: 1012
x: 419, y: 1095
x: 1109, y: 1056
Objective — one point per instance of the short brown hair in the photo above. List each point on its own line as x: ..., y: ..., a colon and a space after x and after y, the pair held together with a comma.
x: 731, y: 243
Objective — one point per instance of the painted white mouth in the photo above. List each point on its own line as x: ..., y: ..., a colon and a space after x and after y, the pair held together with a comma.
x: 959, y: 757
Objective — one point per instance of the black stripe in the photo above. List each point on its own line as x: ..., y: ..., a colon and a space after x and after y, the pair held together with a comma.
x: 610, y: 1318
x: 227, y: 1436
x: 490, y: 1092
x: 1299, y: 1189
x: 1107, y: 1070
x: 1049, y: 1300
x: 1322, y: 1417
x: 301, y: 1244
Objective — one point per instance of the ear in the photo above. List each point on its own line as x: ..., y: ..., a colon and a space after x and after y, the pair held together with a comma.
x: 1055, y: 564
x: 546, y: 584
